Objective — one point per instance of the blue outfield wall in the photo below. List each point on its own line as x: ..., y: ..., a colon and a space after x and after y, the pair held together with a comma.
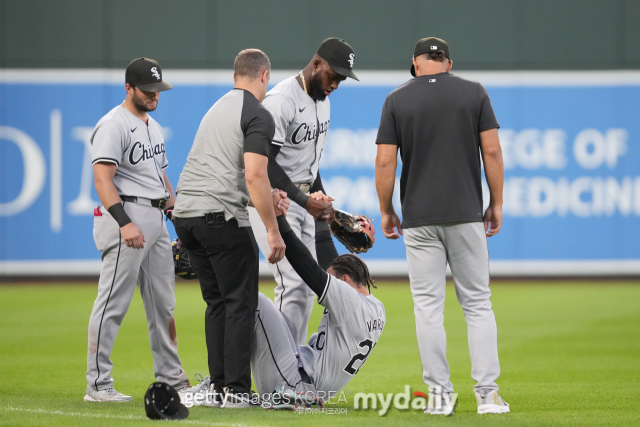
x: 572, y: 165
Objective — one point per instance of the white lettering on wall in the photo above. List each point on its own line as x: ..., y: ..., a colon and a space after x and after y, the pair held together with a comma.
x: 34, y: 170
x: 84, y: 204
x: 583, y: 197
x: 533, y: 148
x: 592, y: 148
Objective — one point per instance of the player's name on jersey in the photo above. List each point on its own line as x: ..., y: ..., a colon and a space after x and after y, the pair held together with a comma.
x: 375, y: 325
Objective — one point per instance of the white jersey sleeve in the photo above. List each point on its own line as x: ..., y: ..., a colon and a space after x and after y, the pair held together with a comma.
x: 109, y: 143
x: 283, y: 111
x: 340, y: 299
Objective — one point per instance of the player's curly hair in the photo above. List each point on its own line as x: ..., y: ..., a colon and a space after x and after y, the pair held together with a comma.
x: 353, y: 267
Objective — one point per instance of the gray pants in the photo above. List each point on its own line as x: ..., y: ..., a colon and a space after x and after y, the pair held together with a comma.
x: 294, y: 299
x: 464, y: 246
x: 274, y: 355
x: 122, y: 267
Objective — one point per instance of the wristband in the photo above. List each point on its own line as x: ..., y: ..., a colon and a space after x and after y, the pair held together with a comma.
x: 168, y: 213
x: 118, y: 213
x: 299, y: 197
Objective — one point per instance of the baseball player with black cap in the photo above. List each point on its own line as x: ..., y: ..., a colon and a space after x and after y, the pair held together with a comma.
x: 301, y: 110
x: 444, y: 127
x: 128, y: 156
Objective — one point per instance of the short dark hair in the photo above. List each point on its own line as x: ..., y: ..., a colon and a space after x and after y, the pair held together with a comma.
x: 353, y: 267
x: 251, y: 63
x: 438, y: 56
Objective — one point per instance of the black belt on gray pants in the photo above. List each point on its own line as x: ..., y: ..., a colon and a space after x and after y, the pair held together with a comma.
x: 158, y: 203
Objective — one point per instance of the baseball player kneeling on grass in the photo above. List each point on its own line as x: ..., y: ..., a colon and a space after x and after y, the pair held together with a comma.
x: 351, y: 326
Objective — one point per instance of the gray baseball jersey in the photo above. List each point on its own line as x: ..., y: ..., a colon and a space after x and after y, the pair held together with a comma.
x: 213, y: 179
x: 301, y: 129
x: 138, y: 152
x: 137, y: 149
x: 350, y: 327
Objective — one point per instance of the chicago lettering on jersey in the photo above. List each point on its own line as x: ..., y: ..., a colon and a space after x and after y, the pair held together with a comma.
x: 308, y: 132
x: 139, y: 153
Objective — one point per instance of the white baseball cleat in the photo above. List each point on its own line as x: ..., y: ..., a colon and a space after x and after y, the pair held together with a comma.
x: 108, y: 395
x: 441, y: 404
x: 196, y: 395
x: 490, y: 402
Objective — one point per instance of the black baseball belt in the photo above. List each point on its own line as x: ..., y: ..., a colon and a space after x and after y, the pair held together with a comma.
x: 154, y: 203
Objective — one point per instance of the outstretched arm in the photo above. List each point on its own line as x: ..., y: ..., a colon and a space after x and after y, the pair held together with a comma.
x: 301, y: 259
x: 325, y: 248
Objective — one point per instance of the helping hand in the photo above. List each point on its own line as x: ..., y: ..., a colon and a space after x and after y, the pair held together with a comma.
x: 280, y: 202
x: 319, y: 205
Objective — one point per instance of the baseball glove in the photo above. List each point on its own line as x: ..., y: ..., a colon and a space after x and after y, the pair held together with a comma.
x: 355, y: 232
x: 181, y: 262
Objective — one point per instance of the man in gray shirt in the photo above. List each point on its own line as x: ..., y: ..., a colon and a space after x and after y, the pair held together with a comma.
x: 442, y: 125
x: 226, y: 167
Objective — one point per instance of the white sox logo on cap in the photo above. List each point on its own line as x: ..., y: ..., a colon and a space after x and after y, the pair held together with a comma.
x: 351, y: 59
x: 154, y: 73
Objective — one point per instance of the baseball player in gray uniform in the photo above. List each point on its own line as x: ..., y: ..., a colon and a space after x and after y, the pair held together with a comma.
x: 351, y: 325
x: 128, y: 156
x: 301, y: 111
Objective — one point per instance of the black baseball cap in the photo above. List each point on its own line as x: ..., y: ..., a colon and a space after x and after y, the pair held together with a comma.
x: 162, y: 402
x: 429, y: 44
x: 146, y: 74
x: 339, y: 55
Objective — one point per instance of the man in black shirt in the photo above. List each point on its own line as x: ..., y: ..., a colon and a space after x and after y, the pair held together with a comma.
x: 442, y: 125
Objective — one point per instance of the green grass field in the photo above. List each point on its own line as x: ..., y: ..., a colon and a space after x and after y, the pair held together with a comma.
x: 570, y: 355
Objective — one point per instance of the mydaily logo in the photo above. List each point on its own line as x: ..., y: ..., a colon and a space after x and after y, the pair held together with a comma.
x: 406, y: 400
